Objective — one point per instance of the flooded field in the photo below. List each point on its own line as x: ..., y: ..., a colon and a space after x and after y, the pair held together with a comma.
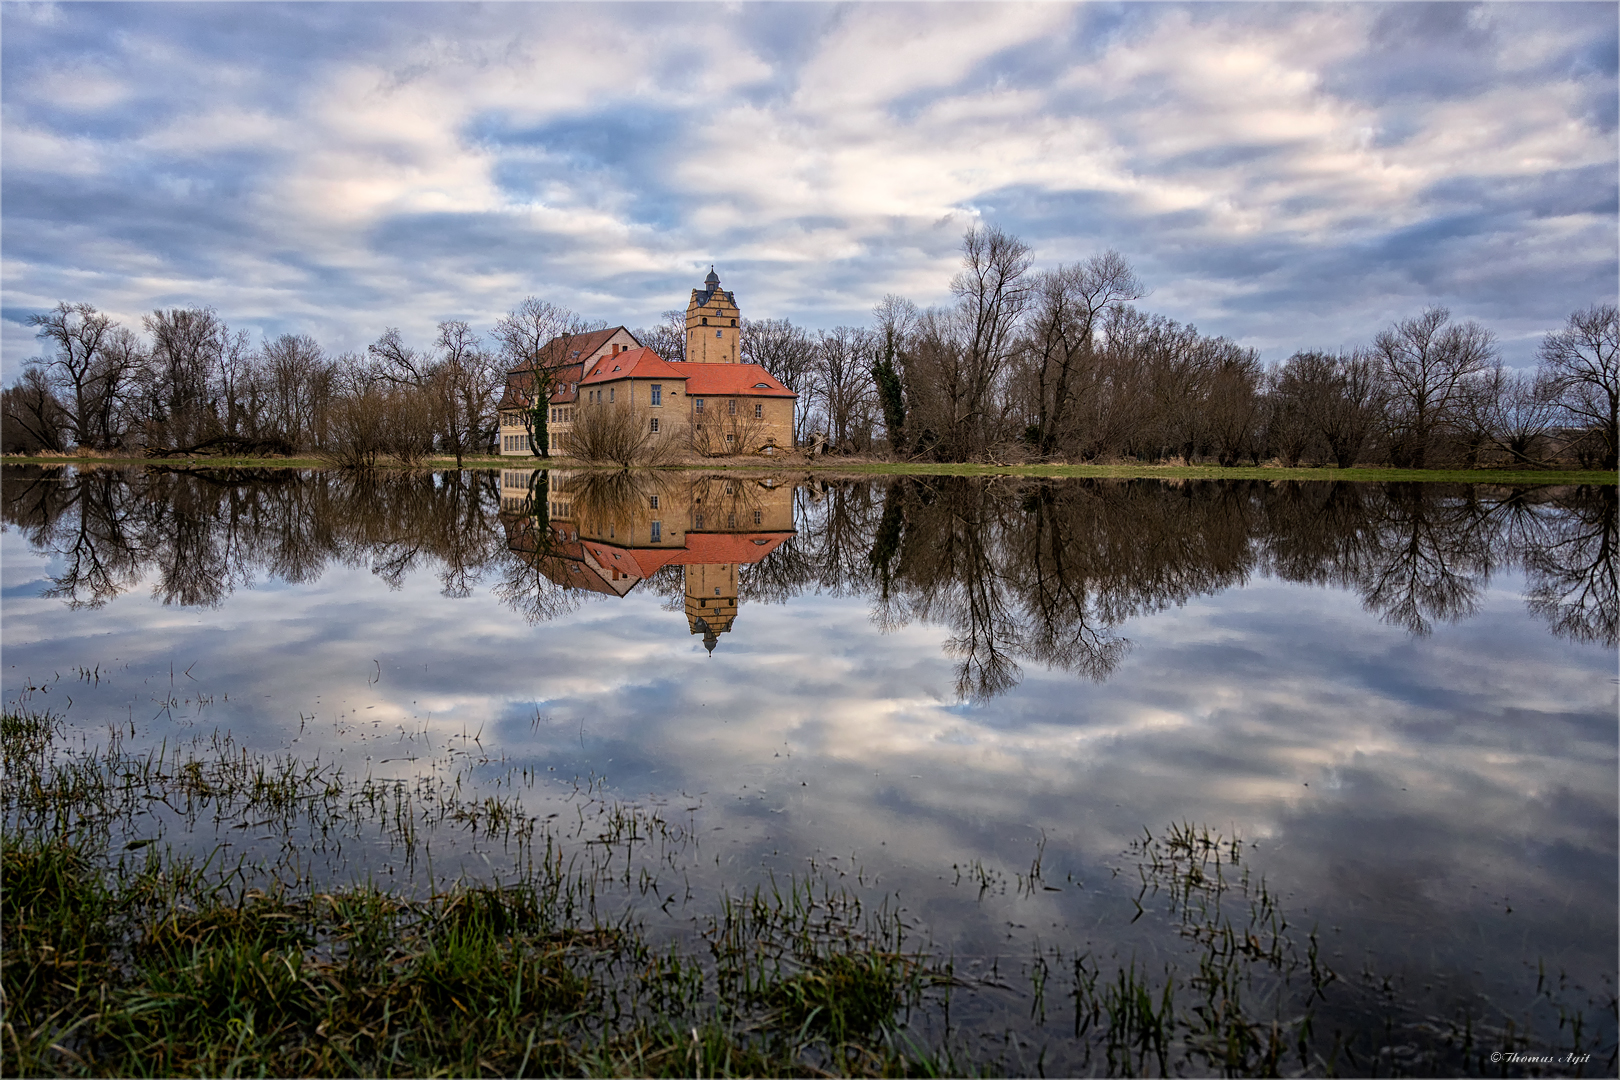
x: 921, y: 774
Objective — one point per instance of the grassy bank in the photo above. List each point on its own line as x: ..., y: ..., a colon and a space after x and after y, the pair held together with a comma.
x: 799, y: 465
x: 128, y: 953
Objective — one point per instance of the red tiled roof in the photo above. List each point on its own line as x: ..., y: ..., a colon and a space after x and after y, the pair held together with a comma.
x: 702, y: 380
x: 557, y: 356
x: 749, y: 380
x: 642, y: 363
x: 559, y: 351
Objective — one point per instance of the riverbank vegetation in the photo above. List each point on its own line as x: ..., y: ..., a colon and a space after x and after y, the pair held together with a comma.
x: 1024, y: 367
x: 138, y: 944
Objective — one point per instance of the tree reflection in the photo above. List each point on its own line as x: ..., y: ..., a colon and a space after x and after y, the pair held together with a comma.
x: 1019, y: 571
x: 1572, y: 582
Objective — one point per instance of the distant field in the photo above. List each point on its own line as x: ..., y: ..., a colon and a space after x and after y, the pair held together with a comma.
x: 840, y: 466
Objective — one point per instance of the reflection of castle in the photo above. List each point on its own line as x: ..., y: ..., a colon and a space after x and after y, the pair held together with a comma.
x: 607, y: 533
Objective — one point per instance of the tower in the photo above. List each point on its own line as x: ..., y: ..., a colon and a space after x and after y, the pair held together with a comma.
x: 712, y: 334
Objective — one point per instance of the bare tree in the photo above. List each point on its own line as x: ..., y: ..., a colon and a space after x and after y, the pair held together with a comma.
x: 1523, y: 409
x: 1325, y: 403
x: 668, y: 338
x: 842, y: 384
x: 1582, y: 365
x: 1233, y: 404
x: 721, y: 434
x: 178, y: 404
x: 33, y: 417
x: 466, y: 379
x: 533, y: 373
x: 396, y: 362
x: 80, y: 368
x: 296, y: 383
x: 618, y: 435
x: 1425, y: 361
x: 1061, y: 344
x: 376, y: 418
x: 787, y: 352
x: 992, y: 290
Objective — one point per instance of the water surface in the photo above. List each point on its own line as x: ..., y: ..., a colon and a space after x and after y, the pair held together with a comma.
x: 1401, y: 697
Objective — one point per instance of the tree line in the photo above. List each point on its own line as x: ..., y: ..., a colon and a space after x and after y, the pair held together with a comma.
x: 1023, y: 364
x: 1061, y: 364
x: 191, y: 385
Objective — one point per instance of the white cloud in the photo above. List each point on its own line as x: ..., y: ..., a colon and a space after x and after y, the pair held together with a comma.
x: 385, y: 166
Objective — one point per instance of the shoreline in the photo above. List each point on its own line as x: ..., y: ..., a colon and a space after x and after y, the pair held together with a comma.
x: 826, y: 467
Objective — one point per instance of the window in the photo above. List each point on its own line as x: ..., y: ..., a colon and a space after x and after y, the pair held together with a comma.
x: 652, y: 502
x: 731, y: 521
x: 756, y: 517
x: 731, y: 406
x: 697, y: 404
x: 733, y: 322
x: 697, y: 521
x: 759, y: 410
x: 705, y: 322
x: 657, y: 529
x: 657, y: 393
x: 610, y: 393
x: 654, y: 430
x: 717, y: 333
x: 729, y: 436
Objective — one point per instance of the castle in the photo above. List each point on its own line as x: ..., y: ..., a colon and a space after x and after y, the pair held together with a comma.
x: 710, y: 401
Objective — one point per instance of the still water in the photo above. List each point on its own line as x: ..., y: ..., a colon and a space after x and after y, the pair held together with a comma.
x: 969, y: 696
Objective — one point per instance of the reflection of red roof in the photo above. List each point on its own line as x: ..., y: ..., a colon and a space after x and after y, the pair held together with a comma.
x: 640, y: 363
x: 564, y: 562
x: 750, y: 380
x: 731, y: 547
x: 702, y: 549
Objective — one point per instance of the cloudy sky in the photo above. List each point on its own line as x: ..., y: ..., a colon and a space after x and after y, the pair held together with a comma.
x: 1293, y: 176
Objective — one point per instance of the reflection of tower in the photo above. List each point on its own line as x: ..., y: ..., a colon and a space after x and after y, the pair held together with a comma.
x: 711, y: 600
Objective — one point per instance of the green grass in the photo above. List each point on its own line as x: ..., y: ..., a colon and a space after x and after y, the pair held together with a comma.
x: 836, y: 466
x: 130, y: 957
